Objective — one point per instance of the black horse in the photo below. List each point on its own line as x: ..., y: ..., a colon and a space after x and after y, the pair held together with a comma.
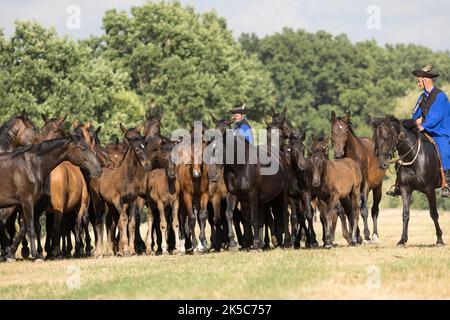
x: 419, y: 167
x: 247, y: 183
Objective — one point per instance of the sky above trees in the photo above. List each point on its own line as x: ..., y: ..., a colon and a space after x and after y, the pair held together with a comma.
x: 399, y: 21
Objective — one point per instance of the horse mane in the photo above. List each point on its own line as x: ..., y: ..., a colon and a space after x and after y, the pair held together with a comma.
x: 5, y: 137
x: 41, y: 148
x: 349, y: 125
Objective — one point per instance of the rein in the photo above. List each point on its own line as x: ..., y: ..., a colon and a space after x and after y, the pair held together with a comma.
x: 399, y: 158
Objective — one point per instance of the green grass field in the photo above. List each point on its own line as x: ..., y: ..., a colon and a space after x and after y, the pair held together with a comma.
x: 419, y: 271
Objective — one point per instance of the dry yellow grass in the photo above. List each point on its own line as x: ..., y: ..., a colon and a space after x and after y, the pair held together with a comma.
x: 419, y: 271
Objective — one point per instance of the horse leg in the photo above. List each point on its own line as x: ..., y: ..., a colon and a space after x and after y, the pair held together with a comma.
x: 294, y: 222
x: 365, y: 211
x: 231, y: 204
x: 123, y: 230
x: 87, y: 236
x: 139, y: 243
x: 11, y: 251
x: 56, y: 233
x: 254, y: 218
x: 237, y: 219
x: 406, y: 199
x: 163, y: 226
x: 176, y: 227
x: 216, y: 225
x: 345, y: 214
x: 355, y: 215
x: 132, y: 228
x: 190, y: 231
x: 48, y: 235
x: 99, y: 207
x: 203, y: 216
x: 28, y: 217
x: 149, y: 236
x: 309, y: 215
x: 431, y: 195
x: 376, y: 194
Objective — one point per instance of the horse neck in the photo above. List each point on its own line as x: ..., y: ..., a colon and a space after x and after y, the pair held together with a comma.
x: 353, y: 146
x: 406, y: 145
x: 53, y: 158
x: 129, y: 166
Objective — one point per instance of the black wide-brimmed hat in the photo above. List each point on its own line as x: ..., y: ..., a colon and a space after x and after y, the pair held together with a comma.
x: 239, y: 110
x: 425, y: 72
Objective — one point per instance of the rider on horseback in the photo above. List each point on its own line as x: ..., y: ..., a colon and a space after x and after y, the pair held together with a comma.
x: 432, y: 115
x: 242, y: 127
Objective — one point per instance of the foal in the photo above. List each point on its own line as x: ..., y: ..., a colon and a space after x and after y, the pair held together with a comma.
x: 119, y: 189
x: 331, y: 188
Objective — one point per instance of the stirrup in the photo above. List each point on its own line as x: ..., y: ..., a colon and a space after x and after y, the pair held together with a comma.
x: 393, y: 193
x: 445, y: 192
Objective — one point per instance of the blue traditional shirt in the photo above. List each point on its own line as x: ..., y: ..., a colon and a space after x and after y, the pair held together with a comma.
x: 243, y: 129
x: 435, y: 109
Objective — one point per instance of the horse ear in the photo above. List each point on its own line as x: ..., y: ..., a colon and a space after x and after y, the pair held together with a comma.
x: 272, y: 111
x: 302, y: 137
x: 75, y: 124
x: 161, y: 116
x: 214, y: 120
x: 139, y: 128
x: 44, y: 117
x: 62, y: 119
x: 314, y: 140
x: 348, y: 116
x: 333, y: 116
x: 97, y: 132
x: 369, y: 120
x: 124, y: 130
x: 24, y: 114
x: 266, y: 122
x: 283, y: 113
x: 88, y: 125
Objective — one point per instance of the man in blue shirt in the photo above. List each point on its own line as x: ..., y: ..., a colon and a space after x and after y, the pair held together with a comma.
x: 432, y: 115
x: 242, y: 127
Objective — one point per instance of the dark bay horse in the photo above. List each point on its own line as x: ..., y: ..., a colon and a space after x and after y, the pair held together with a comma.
x: 247, y: 183
x: 347, y: 144
x: 422, y: 171
x: 18, y: 131
x: 25, y: 170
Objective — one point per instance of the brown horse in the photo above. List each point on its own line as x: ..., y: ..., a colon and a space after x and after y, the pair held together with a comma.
x: 193, y: 179
x: 25, y: 170
x: 331, y: 189
x: 119, y: 189
x: 18, y: 131
x: 67, y: 193
x: 162, y: 187
x: 362, y: 150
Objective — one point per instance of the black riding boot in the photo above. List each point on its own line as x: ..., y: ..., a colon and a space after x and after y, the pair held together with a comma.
x: 395, y: 192
x: 445, y: 192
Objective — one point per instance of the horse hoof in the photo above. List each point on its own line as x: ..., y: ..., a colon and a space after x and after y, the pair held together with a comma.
x: 440, y: 244
x: 266, y: 247
x: 10, y: 260
x: 401, y: 243
x: 328, y: 246
x: 233, y: 248
x: 38, y: 260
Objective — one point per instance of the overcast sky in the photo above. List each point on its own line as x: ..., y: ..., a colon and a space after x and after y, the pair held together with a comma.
x: 400, y: 21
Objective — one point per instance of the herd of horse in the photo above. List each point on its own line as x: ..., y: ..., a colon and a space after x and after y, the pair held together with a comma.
x: 78, y: 182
